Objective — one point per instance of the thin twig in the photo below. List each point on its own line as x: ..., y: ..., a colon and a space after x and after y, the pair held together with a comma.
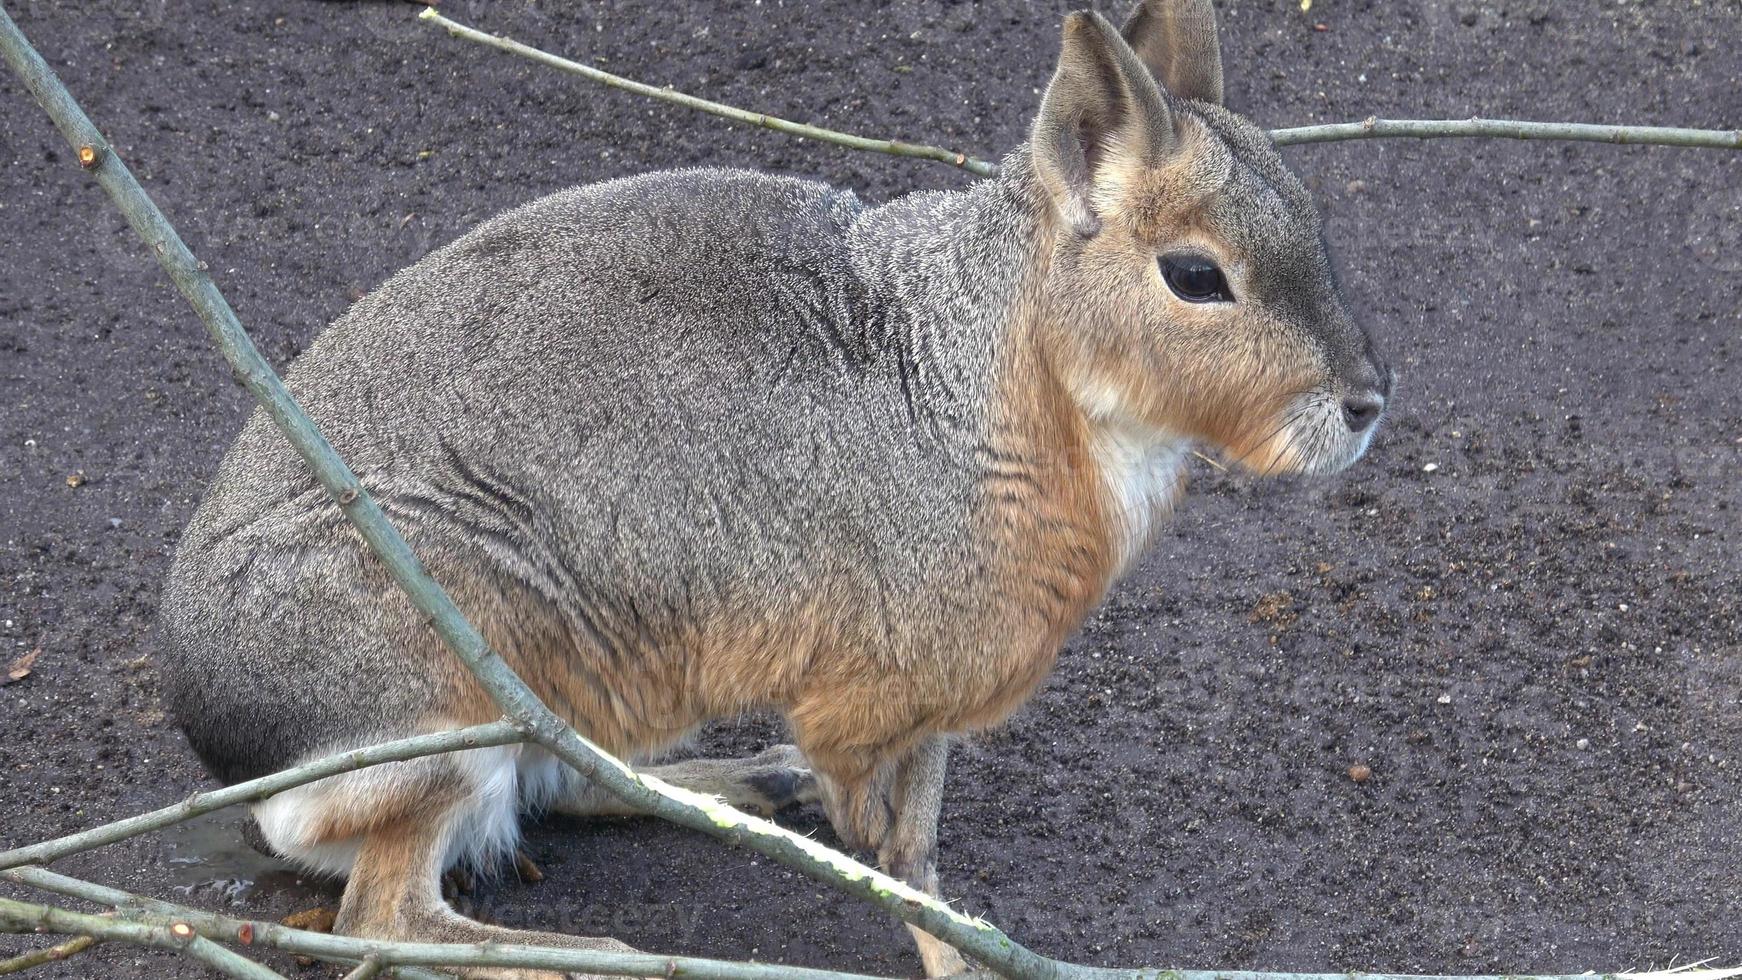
x: 972, y: 937
x: 254, y: 790
x: 227, y: 961
x: 179, y: 936
x: 211, y: 925
x: 342, y: 949
x: 347, y: 949
x: 366, y: 970
x: 1512, y: 129
x: 1369, y: 128
x: 50, y: 954
x: 983, y: 168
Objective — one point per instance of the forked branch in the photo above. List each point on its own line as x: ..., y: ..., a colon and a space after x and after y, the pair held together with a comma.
x: 254, y: 790
x: 1369, y: 128
x: 893, y: 147
x: 345, y: 950
x: 48, y: 954
x: 210, y: 925
x: 136, y: 914
x: 26, y: 917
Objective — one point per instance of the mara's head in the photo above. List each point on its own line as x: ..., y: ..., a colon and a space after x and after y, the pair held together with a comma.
x: 1186, y: 275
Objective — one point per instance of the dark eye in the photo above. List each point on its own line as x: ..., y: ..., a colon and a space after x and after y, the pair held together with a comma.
x: 1195, y: 279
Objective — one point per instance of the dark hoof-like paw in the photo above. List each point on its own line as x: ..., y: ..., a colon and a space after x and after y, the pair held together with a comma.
x: 781, y: 778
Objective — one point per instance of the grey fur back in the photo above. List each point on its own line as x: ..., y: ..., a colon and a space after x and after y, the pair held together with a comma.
x: 647, y: 403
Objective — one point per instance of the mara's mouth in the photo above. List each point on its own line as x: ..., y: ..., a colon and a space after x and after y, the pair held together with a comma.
x: 1311, y: 436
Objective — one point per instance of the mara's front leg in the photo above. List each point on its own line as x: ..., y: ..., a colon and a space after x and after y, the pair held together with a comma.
x: 910, y: 850
x: 771, y: 780
x: 892, y: 809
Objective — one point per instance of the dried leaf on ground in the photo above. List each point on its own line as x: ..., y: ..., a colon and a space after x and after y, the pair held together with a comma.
x: 20, y: 668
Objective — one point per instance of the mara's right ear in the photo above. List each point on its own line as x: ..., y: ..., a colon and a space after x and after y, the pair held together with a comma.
x: 1101, y: 99
x: 1177, y: 40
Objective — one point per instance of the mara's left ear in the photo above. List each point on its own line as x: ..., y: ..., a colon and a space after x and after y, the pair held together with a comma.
x: 1176, y: 39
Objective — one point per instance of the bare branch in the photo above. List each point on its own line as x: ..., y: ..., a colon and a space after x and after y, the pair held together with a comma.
x: 343, y: 949
x: 1369, y: 128
x: 179, y: 936
x: 893, y: 147
x: 1512, y: 129
x: 366, y: 970
x: 211, y: 925
x: 254, y: 790
x: 151, y: 912
x: 50, y: 954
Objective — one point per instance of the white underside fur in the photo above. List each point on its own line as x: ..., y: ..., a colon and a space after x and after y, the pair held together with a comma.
x: 500, y: 783
x: 1140, y: 468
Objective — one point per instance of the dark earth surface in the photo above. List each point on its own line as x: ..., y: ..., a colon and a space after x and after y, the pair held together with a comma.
x: 1520, y: 612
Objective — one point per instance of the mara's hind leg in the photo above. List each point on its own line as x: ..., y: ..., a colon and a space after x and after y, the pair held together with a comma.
x: 763, y: 783
x: 394, y: 893
x: 393, y: 829
x: 892, y: 809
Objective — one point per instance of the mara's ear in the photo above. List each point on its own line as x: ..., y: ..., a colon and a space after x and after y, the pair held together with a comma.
x: 1177, y: 40
x: 1101, y: 99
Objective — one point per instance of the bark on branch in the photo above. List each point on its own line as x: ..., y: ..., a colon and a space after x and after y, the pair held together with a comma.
x: 1510, y: 129
x: 135, y: 914
x: 211, y: 925
x: 1369, y: 128
x: 898, y: 148
x: 342, y: 949
x: 254, y: 790
x: 178, y: 936
x: 50, y: 954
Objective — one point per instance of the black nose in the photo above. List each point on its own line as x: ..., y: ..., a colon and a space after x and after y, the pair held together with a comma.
x: 1361, y: 411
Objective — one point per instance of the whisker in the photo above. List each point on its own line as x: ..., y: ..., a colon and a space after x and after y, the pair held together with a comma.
x: 1277, y: 457
x: 1260, y: 444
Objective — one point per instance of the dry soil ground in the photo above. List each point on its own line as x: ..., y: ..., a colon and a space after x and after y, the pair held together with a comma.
x: 1521, y: 611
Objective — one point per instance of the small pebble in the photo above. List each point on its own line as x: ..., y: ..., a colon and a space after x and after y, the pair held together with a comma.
x: 115, y: 522
x: 1431, y: 467
x: 1360, y: 773
x: 1582, y: 744
x: 1445, y: 699
x: 76, y: 480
